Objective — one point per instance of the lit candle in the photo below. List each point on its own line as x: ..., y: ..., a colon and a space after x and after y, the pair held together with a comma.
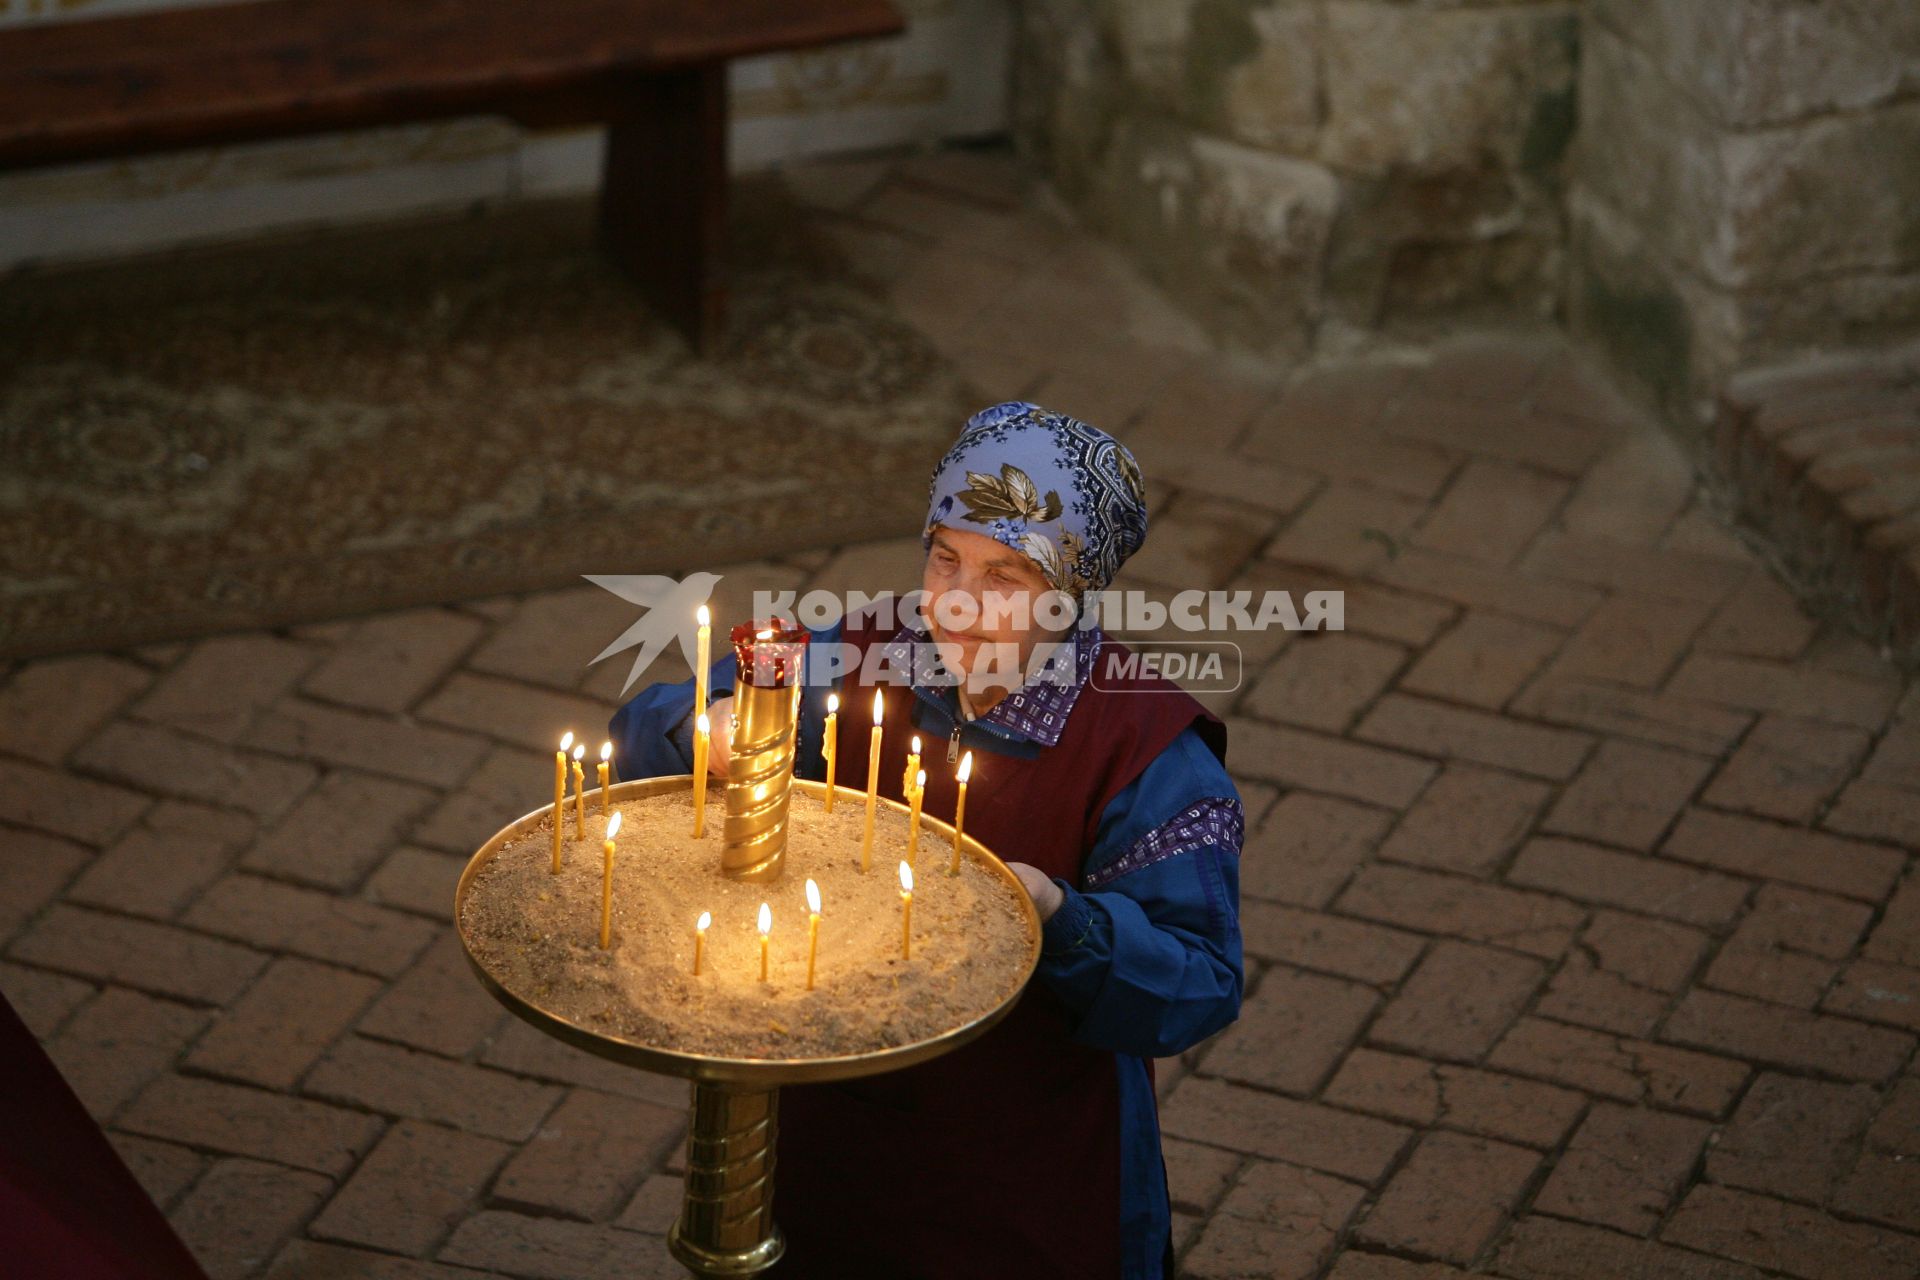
x: 831, y: 744
x: 700, y: 938
x: 559, y: 795
x: 701, y: 660
x: 913, y: 767
x: 906, y: 912
x: 606, y: 883
x: 606, y: 754
x: 960, y: 809
x: 913, y: 816
x: 873, y: 783
x: 766, y: 926
x: 813, y: 927
x: 702, y: 735
x: 579, y: 793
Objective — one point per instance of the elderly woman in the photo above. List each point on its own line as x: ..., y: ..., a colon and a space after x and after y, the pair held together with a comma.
x: 1033, y: 1151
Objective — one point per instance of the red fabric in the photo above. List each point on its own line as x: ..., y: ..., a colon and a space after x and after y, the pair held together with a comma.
x: 1002, y: 1158
x: 68, y: 1205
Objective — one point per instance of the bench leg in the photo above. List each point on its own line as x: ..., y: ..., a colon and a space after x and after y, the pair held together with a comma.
x: 663, y: 197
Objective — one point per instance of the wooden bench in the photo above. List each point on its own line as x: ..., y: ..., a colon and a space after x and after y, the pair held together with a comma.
x: 654, y: 71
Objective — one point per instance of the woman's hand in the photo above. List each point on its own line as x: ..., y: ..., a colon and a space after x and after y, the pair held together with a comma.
x: 720, y: 735
x: 1046, y: 895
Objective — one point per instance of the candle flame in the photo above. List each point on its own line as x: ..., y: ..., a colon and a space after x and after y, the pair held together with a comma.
x: 879, y: 708
x: 580, y: 751
x: 706, y: 918
x: 833, y: 704
x: 920, y: 780
x: 705, y: 725
x: 613, y: 825
x: 916, y: 744
x: 764, y: 635
x: 813, y: 897
x: 766, y: 919
x: 566, y: 742
x: 966, y: 767
x: 906, y: 878
x: 606, y: 751
x: 702, y: 616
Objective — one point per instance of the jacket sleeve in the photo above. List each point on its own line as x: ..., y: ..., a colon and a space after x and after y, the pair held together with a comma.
x: 1146, y: 953
x: 652, y: 732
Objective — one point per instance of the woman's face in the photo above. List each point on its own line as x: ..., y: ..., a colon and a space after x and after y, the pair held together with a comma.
x: 983, y: 602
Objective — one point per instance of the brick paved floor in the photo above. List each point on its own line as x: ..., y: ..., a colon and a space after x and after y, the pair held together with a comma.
x: 1583, y: 936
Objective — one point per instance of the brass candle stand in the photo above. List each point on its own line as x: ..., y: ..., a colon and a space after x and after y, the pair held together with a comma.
x: 726, y: 1225
x: 766, y: 704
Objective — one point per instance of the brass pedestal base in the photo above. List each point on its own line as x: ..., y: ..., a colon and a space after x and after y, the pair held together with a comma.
x: 726, y: 1225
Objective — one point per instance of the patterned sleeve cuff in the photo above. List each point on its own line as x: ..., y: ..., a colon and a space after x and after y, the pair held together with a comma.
x: 1216, y: 820
x: 1067, y: 927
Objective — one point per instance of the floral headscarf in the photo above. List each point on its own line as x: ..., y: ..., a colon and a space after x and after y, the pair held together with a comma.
x: 1066, y: 495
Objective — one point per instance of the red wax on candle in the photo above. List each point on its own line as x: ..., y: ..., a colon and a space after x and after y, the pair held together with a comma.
x: 769, y: 653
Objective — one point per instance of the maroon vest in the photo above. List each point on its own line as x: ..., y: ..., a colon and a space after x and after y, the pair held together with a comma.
x: 1001, y: 1158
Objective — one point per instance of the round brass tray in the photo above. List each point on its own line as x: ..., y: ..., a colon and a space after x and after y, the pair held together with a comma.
x: 748, y: 1072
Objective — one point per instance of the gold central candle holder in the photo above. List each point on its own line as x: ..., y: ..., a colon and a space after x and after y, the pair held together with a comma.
x: 726, y: 1226
x: 766, y: 702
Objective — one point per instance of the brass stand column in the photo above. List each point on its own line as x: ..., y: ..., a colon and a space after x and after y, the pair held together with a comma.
x: 760, y: 772
x: 726, y: 1225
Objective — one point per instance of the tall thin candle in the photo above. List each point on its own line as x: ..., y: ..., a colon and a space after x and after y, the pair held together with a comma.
x: 813, y: 927
x: 960, y: 809
x: 913, y: 816
x: 913, y: 767
x: 579, y: 793
x: 606, y: 754
x: 559, y: 795
x: 766, y: 926
x: 873, y: 782
x: 606, y: 883
x: 906, y: 912
x: 831, y: 743
x: 702, y: 660
x: 700, y: 938
x: 702, y: 738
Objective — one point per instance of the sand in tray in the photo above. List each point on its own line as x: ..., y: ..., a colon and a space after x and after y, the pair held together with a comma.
x: 537, y: 934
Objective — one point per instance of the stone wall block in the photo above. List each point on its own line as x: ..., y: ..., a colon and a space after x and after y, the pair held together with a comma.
x: 1834, y: 195
x: 1435, y: 88
x: 1646, y: 150
x: 1238, y: 232
x: 1271, y: 98
x: 1761, y: 62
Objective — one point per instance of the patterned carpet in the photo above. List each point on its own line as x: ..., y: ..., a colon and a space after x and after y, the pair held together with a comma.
x: 436, y: 410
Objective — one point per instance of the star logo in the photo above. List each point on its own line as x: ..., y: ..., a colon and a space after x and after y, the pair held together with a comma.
x: 669, y: 615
